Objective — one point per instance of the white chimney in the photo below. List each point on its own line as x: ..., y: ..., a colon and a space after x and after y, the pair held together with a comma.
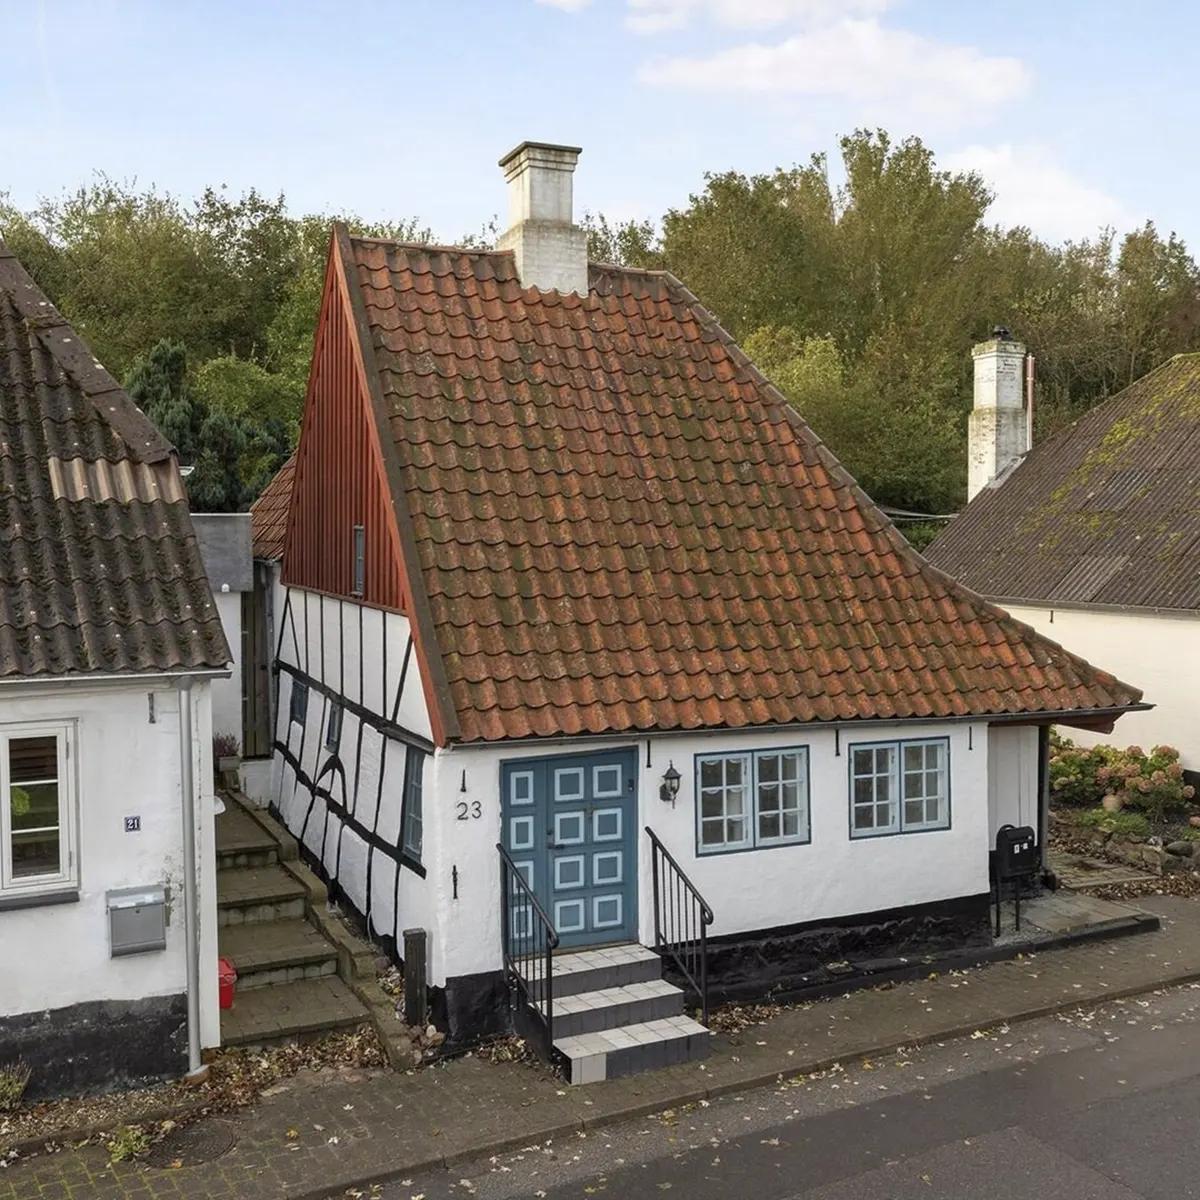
x: 998, y: 431
x: 550, y: 250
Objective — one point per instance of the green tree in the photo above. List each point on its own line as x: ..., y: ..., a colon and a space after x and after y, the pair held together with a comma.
x: 158, y: 384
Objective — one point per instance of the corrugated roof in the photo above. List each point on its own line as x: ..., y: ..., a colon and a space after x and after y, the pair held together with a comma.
x: 99, y: 570
x: 269, y: 513
x: 1105, y: 512
x: 621, y: 526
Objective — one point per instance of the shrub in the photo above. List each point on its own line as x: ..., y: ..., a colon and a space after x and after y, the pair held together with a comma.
x: 14, y: 1078
x: 1129, y: 824
x: 1151, y: 783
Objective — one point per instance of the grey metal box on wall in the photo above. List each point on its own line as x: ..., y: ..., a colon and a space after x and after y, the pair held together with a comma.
x: 137, y: 920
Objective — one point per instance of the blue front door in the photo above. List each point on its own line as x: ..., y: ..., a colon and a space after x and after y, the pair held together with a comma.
x: 570, y: 826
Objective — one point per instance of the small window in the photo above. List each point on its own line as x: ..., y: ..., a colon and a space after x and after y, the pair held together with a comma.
x: 414, y: 772
x: 360, y: 561
x: 299, y: 706
x: 37, y: 819
x: 333, y: 727
x: 899, y: 787
x: 751, y: 800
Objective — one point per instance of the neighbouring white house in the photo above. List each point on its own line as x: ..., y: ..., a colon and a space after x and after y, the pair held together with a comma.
x: 584, y: 639
x: 1092, y: 537
x: 109, y: 646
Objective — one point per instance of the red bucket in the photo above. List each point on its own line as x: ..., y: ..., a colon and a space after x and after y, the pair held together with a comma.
x: 226, y: 981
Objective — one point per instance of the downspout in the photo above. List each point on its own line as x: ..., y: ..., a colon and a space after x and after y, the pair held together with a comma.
x: 1043, y: 795
x: 191, y: 908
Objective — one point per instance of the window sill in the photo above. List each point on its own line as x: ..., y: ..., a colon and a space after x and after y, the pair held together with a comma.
x: 69, y: 895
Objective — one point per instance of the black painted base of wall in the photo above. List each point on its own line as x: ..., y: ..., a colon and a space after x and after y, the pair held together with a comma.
x: 98, y: 1046
x: 822, y: 954
x: 471, y: 1007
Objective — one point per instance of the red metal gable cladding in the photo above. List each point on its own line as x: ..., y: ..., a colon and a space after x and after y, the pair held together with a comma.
x: 620, y: 526
x: 339, y: 481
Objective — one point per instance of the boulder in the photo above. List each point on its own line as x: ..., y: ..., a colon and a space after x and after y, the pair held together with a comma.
x: 1180, y: 849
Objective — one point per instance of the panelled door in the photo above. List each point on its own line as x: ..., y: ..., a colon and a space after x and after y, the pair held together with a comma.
x: 570, y: 825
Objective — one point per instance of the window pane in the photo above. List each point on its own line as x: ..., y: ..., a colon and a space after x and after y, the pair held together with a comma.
x: 864, y: 762
x: 710, y: 773
x: 34, y: 806
x: 733, y: 771
x: 768, y: 768
x: 33, y: 759
x: 735, y: 831
x: 711, y: 832
x: 414, y: 768
x: 864, y: 817
x: 914, y: 811
x: 735, y: 801
x: 768, y: 798
x: 36, y: 853
x: 791, y: 824
x: 768, y: 825
x: 711, y: 804
x: 864, y: 791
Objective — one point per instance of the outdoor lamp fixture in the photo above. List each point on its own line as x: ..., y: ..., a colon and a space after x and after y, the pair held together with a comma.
x: 670, y: 785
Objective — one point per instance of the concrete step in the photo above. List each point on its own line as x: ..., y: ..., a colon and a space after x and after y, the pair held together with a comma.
x: 291, y: 1011
x: 610, y: 1008
x: 271, y: 952
x: 594, y: 970
x: 242, y: 841
x: 632, y: 1049
x: 251, y: 894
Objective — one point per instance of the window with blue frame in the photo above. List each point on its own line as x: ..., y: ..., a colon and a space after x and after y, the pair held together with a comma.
x: 749, y: 800
x: 414, y: 782
x: 899, y: 787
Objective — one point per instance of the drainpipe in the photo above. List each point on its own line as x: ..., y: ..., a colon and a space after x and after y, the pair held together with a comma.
x: 191, y: 907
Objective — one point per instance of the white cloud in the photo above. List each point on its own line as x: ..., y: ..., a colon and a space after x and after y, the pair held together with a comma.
x: 654, y: 16
x: 1032, y: 189
x: 565, y: 5
x: 862, y: 61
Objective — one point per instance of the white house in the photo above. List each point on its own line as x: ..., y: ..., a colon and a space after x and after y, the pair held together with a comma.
x: 583, y: 637
x: 1091, y: 537
x: 109, y: 643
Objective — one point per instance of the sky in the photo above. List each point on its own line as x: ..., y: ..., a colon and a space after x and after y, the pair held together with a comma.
x: 1080, y: 114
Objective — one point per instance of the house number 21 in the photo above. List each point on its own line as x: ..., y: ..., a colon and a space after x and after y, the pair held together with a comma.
x: 470, y: 810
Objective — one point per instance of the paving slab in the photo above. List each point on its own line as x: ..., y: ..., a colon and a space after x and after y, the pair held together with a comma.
x: 392, y: 1124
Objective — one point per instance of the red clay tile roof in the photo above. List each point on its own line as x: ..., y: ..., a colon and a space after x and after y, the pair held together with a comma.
x: 1105, y: 512
x: 99, y: 567
x: 269, y: 513
x: 621, y: 526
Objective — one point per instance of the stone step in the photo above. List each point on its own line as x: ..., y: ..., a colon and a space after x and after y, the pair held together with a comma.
x: 270, y: 952
x: 594, y: 970
x: 241, y: 841
x: 291, y: 1011
x: 610, y: 1008
x: 251, y: 894
x: 631, y: 1049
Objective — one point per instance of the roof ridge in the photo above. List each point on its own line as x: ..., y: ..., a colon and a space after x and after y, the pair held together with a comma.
x: 75, y: 359
x: 429, y: 247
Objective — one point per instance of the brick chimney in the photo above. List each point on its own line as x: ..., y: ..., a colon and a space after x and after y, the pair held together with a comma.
x: 998, y: 430
x: 550, y: 249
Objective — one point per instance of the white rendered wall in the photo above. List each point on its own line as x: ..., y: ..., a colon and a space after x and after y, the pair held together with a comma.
x: 833, y: 876
x: 1155, y: 652
x: 1012, y: 777
x: 126, y: 765
x: 227, y: 693
x: 363, y: 655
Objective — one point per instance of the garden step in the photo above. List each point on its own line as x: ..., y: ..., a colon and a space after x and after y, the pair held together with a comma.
x: 251, y: 894
x: 288, y: 1011
x: 592, y: 970
x: 241, y: 841
x: 270, y: 952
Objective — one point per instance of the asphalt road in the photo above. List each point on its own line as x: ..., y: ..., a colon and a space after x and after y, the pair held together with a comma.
x: 1096, y: 1105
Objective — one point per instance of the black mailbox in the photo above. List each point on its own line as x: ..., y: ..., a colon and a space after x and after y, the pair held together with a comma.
x: 1016, y: 851
x: 1016, y: 860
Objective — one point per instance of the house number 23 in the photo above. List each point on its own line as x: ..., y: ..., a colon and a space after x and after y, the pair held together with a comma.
x: 470, y: 810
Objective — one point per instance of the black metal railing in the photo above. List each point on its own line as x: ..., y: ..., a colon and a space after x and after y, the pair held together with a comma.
x: 681, y: 920
x: 529, y: 941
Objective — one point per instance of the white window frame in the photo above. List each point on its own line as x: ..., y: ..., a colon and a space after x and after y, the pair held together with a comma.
x: 413, y: 817
x: 68, y: 876
x: 751, y: 762
x: 897, y: 783
x: 358, y: 583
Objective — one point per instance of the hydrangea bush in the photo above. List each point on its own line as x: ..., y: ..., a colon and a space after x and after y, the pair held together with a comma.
x: 1150, y: 783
